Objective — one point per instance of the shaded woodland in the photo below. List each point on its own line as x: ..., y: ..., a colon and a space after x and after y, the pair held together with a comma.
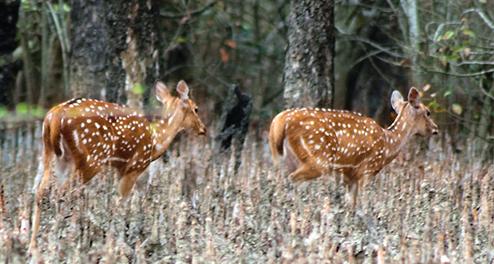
x: 55, y: 50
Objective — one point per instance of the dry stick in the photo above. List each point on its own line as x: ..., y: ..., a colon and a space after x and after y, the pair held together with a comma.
x: 381, y: 254
x: 465, y: 224
x: 428, y: 233
x: 403, y: 250
x: 351, y: 257
x: 3, y: 210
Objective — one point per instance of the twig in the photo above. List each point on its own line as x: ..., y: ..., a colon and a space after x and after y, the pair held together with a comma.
x: 366, y: 56
x: 188, y: 14
x: 373, y: 44
x: 486, y: 93
x: 474, y: 63
x: 482, y: 15
x: 440, y: 28
x: 460, y: 74
x: 376, y: 68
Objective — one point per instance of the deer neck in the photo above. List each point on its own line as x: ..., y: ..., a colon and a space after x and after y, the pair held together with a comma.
x: 163, y: 132
x: 398, y: 134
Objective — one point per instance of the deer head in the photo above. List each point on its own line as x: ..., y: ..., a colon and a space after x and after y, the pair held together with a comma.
x: 415, y: 111
x: 180, y: 108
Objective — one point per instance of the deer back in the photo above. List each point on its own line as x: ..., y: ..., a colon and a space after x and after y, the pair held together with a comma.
x: 333, y: 138
x: 97, y: 132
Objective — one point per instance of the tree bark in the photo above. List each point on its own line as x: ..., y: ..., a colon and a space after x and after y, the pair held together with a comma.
x: 114, y: 46
x: 97, y: 34
x: 309, y: 70
x: 411, y: 11
x: 9, y: 13
x: 141, y: 57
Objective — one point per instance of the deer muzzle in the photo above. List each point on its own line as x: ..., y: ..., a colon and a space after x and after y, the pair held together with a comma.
x: 435, y: 129
x: 202, y: 131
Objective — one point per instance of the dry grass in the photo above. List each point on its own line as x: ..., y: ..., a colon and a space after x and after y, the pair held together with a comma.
x: 429, y: 206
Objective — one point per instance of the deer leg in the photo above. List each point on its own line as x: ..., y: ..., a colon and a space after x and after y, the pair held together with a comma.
x: 78, y: 177
x: 290, y: 160
x: 88, y: 173
x: 304, y: 173
x: 127, y: 182
x: 40, y: 192
x: 352, y: 181
x: 352, y: 190
x: 36, y: 220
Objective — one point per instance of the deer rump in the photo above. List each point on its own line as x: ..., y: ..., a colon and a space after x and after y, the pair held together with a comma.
x: 70, y: 141
x: 54, y: 142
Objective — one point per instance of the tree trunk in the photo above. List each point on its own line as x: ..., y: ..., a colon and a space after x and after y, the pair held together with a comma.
x: 141, y: 58
x: 114, y: 46
x: 411, y: 11
x: 9, y: 12
x: 309, y: 71
x: 97, y: 35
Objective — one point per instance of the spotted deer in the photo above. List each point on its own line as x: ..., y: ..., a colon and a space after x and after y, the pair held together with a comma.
x: 316, y: 141
x: 84, y: 135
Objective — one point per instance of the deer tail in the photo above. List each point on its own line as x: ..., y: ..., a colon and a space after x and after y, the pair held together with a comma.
x: 277, y: 136
x: 52, y: 133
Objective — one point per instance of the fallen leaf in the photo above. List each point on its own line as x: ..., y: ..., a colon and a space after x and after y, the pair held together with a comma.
x: 426, y: 87
x: 231, y: 43
x: 224, y: 55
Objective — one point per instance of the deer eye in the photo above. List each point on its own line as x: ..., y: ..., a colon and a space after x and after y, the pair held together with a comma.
x: 428, y: 113
x: 196, y: 109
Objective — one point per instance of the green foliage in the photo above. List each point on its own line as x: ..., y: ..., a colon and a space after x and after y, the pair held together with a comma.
x: 3, y: 111
x: 448, y: 35
x: 469, y: 33
x: 434, y: 106
x: 38, y: 111
x: 29, y: 6
x: 456, y: 44
x: 22, y: 109
x: 138, y: 89
x: 181, y: 40
x: 65, y: 8
x: 26, y: 110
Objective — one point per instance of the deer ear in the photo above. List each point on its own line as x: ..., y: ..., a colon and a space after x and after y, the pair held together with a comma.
x: 396, y: 100
x: 162, y: 92
x: 183, y: 90
x: 414, y: 97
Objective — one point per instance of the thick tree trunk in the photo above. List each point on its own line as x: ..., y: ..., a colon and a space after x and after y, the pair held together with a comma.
x: 141, y: 58
x: 9, y: 12
x: 114, y: 49
x: 411, y: 11
x: 309, y: 70
x: 97, y: 36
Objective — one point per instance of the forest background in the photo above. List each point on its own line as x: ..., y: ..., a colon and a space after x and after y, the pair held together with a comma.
x: 352, y: 54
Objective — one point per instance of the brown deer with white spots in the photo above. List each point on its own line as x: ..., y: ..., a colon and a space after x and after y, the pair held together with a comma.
x: 84, y: 135
x: 316, y: 141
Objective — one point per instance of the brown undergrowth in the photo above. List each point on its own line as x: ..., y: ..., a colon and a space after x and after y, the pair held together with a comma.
x: 429, y: 206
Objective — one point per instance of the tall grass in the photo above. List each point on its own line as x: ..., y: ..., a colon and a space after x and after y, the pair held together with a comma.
x: 431, y: 205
